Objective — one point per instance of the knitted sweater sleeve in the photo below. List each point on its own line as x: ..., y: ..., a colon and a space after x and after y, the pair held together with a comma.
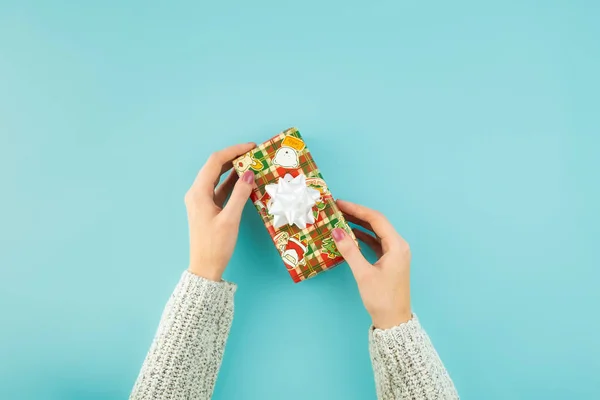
x: 407, y: 366
x: 185, y: 356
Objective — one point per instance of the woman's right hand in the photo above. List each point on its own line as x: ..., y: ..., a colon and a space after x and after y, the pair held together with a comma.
x: 385, y: 285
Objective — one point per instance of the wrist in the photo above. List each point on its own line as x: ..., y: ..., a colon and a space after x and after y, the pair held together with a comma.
x: 392, y: 320
x: 211, y: 274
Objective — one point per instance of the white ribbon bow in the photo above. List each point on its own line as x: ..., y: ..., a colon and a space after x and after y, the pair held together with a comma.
x: 292, y: 201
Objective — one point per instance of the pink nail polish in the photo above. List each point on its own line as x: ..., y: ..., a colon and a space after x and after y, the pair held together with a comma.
x: 248, y: 176
x: 338, y: 234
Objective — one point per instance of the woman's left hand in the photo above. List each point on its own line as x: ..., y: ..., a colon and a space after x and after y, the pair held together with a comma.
x: 213, y: 224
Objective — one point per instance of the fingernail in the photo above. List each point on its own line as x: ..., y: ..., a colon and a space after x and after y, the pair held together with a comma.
x: 338, y: 234
x: 248, y: 176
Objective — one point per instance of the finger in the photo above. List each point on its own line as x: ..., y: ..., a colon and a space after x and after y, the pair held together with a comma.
x: 360, y: 222
x: 241, y: 191
x: 381, y: 226
x: 369, y: 240
x: 225, y: 188
x: 217, y: 164
x: 349, y: 250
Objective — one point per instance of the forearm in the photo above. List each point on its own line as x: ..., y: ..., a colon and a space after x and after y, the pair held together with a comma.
x: 185, y: 356
x: 406, y: 365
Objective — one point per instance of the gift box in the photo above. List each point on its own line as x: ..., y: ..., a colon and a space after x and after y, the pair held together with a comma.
x: 295, y: 204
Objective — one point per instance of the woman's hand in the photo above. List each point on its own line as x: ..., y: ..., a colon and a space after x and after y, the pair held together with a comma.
x: 385, y: 285
x: 213, y: 224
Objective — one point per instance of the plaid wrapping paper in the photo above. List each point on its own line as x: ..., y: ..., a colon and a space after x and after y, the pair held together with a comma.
x: 305, y: 252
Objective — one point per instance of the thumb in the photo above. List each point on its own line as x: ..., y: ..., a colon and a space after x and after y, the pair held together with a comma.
x: 241, y: 191
x: 349, y: 250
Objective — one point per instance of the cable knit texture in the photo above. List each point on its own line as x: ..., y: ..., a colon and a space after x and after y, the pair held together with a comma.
x: 186, y: 353
x: 407, y: 366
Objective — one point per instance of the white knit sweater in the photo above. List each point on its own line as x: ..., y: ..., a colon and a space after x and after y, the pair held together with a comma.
x: 186, y: 353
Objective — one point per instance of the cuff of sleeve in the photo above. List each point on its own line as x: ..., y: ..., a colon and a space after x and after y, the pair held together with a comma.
x: 398, y: 348
x: 404, y: 330
x: 406, y: 365
x: 398, y: 344
x: 193, y: 291
x: 195, y: 281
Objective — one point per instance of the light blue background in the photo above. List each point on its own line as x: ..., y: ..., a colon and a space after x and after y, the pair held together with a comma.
x: 473, y: 127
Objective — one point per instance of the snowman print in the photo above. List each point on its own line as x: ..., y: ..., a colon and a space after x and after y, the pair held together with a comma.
x: 286, y: 157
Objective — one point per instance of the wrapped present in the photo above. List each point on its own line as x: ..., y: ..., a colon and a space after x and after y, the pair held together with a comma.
x: 295, y: 204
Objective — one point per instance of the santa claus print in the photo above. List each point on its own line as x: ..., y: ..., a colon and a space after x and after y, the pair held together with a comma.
x: 281, y: 240
x: 293, y: 253
x: 261, y: 205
